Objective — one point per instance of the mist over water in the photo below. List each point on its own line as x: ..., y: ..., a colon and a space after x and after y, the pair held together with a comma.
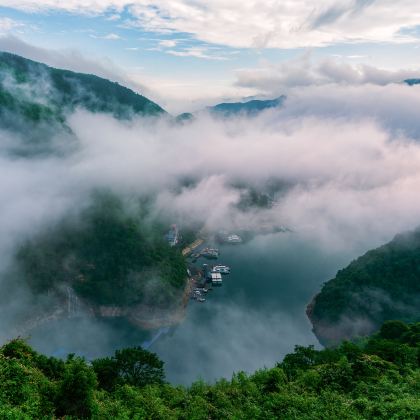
x: 257, y: 316
x: 349, y: 183
x: 251, y: 322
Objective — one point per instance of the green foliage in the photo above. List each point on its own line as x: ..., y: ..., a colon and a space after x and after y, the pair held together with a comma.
x: 393, y: 330
x: 383, y: 284
x: 19, y: 78
x: 376, y: 379
x: 131, y: 366
x: 108, y: 256
x: 75, y: 396
x: 36, y: 100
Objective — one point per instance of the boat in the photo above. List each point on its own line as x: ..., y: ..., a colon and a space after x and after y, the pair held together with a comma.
x: 210, y: 253
x: 223, y: 269
x: 228, y: 238
x: 201, y: 300
x: 234, y: 239
x: 172, y: 236
x: 216, y: 279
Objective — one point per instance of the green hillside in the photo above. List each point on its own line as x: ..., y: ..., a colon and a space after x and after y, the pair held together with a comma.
x: 383, y: 284
x: 41, y: 93
x: 376, y: 379
x: 108, y: 256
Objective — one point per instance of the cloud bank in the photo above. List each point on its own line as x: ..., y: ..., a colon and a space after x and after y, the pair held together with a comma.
x: 342, y: 165
x: 348, y: 155
x: 254, y: 24
x: 304, y: 71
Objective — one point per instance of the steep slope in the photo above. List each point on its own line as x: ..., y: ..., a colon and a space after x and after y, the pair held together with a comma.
x: 105, y: 261
x: 38, y: 92
x: 36, y: 100
x: 383, y: 284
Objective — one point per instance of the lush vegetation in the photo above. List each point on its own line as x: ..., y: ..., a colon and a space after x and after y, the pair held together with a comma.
x: 383, y: 284
x: 376, y: 378
x: 107, y: 255
x: 39, y: 91
x: 36, y: 100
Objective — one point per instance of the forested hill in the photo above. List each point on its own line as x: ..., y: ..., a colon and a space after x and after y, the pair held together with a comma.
x: 38, y: 93
x: 247, y: 108
x: 108, y: 256
x: 383, y: 284
x: 376, y: 379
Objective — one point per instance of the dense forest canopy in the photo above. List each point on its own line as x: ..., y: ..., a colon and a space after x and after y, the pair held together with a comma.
x: 107, y: 255
x: 376, y: 378
x: 60, y: 91
x: 383, y: 284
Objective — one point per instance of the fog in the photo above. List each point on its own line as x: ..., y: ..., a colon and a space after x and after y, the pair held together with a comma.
x: 347, y: 163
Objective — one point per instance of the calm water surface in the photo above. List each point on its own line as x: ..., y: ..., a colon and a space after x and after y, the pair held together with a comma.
x: 252, y: 321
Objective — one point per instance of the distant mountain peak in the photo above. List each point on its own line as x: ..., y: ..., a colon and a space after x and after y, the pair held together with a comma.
x: 248, y: 108
x: 412, y: 82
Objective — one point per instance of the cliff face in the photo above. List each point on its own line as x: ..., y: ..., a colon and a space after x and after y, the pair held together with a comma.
x: 332, y: 333
x: 69, y: 305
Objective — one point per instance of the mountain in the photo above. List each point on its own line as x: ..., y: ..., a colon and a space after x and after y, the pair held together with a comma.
x: 232, y: 109
x: 36, y: 100
x: 412, y: 82
x: 381, y: 285
x: 38, y: 92
x: 249, y: 108
x: 111, y: 263
x: 377, y: 378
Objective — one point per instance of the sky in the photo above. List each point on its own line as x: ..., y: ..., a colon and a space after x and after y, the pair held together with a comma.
x: 185, y: 54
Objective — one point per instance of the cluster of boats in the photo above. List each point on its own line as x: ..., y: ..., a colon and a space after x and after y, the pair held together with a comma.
x: 222, y: 269
x: 211, y: 274
x: 214, y: 275
x: 210, y: 253
x: 229, y: 238
x: 197, y: 294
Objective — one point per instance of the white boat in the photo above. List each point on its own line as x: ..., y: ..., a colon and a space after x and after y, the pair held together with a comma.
x: 223, y: 269
x: 211, y: 253
x: 234, y: 239
x: 216, y: 279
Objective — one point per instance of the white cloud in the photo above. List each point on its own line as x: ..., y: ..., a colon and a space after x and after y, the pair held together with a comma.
x: 349, y: 156
x: 110, y: 37
x: 113, y: 17
x: 304, y: 71
x: 197, y: 52
x: 168, y: 43
x: 7, y: 25
x: 250, y: 23
x: 347, y: 153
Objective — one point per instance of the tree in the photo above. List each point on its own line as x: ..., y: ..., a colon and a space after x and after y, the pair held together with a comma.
x: 139, y: 367
x: 132, y: 366
x: 76, y: 390
x: 106, y: 370
x: 393, y: 330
